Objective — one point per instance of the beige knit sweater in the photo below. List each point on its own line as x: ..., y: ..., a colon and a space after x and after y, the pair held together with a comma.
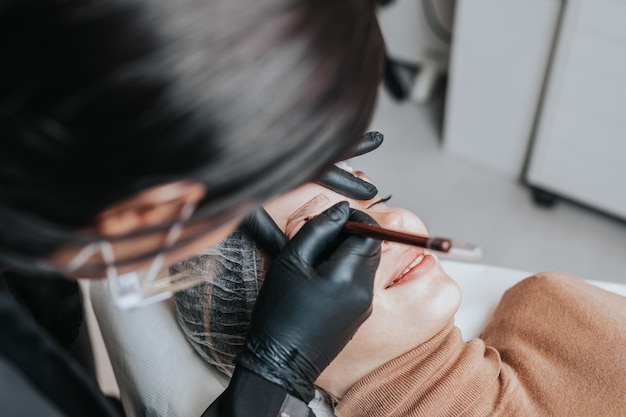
x: 555, y: 346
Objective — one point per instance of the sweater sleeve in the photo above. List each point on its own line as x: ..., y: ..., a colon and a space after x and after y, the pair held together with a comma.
x: 555, y: 346
x: 566, y: 342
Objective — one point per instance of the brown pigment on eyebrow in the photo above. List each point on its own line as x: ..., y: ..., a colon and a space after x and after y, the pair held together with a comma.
x: 359, y: 174
x: 312, y: 207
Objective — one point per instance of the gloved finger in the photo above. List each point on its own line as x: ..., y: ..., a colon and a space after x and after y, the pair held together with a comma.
x: 261, y: 228
x: 345, y: 183
x: 318, y: 234
x: 362, y: 217
x: 353, y: 254
x: 370, y: 141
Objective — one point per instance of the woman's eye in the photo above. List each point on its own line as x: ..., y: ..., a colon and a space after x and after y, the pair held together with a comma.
x: 382, y: 200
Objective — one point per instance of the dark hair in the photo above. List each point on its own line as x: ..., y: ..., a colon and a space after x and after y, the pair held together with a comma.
x: 101, y: 99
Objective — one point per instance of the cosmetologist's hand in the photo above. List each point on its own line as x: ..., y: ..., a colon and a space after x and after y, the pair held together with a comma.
x: 261, y: 228
x: 345, y: 183
x: 264, y: 231
x: 316, y: 294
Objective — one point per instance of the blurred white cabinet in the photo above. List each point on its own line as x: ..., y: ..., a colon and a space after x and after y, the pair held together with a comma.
x: 579, y: 148
x: 498, y: 63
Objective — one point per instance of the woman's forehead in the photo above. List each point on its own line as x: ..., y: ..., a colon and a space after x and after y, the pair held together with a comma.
x: 307, y: 200
x: 311, y: 208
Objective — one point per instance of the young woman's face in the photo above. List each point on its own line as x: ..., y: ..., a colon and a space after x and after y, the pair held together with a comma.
x: 413, y: 297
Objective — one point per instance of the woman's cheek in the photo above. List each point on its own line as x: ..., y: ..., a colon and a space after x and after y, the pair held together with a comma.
x: 382, y: 326
x: 412, y: 223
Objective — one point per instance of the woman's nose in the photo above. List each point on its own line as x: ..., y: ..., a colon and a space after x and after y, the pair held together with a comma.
x: 388, y: 220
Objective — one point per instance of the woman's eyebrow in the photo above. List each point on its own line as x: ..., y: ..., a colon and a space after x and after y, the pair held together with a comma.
x: 313, y: 206
x: 360, y: 174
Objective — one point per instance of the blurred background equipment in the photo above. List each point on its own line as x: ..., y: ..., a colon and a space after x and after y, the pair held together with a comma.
x: 545, y: 70
x: 526, y: 112
x: 499, y: 59
x: 417, y: 35
x: 579, y: 147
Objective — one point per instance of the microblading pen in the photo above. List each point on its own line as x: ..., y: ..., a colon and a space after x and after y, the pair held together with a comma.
x: 452, y: 248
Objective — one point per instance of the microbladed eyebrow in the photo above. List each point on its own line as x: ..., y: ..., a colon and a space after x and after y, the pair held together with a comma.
x: 313, y: 206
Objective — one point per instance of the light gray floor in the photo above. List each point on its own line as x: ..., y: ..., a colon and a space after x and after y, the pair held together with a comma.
x: 459, y: 200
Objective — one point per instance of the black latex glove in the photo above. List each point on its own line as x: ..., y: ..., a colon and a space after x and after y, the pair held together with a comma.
x: 316, y: 294
x: 345, y: 183
x: 261, y: 228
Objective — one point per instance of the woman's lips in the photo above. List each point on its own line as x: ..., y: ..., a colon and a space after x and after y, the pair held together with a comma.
x: 417, y: 268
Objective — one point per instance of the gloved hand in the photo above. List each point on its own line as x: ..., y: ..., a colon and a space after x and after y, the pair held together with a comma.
x: 264, y: 231
x: 261, y: 228
x: 345, y: 183
x: 316, y: 294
